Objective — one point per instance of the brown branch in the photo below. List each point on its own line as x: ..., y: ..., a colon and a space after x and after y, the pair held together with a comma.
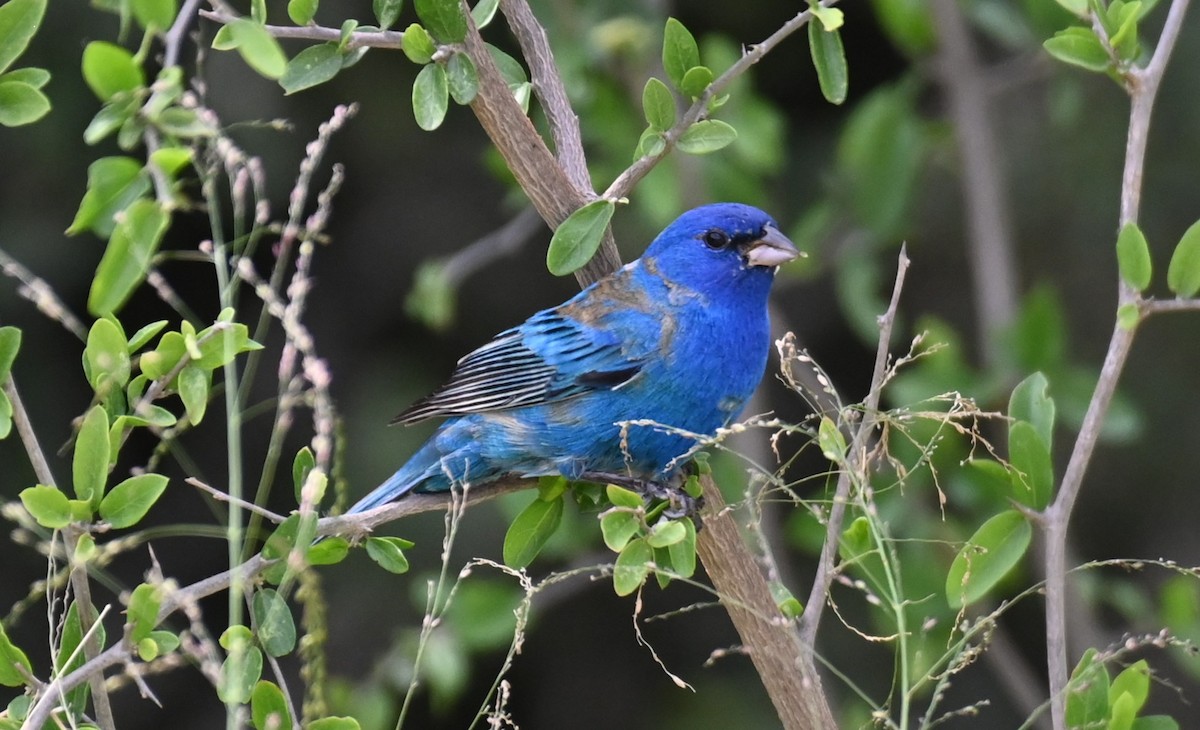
x: 524, y: 151
x: 91, y: 644
x: 855, y: 466
x: 990, y: 239
x: 783, y: 662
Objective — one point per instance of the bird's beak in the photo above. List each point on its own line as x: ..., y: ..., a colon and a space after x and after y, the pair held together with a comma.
x: 772, y: 249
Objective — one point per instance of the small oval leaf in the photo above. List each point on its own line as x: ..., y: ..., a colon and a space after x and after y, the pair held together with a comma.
x: 49, y: 507
x: 1133, y: 257
x: 632, y: 567
x: 528, y: 533
x: 576, y: 239
x: 388, y: 552
x: 430, y: 97
x: 995, y: 548
x: 1183, y: 274
x: 276, y: 629
x: 658, y: 105
x: 706, y: 136
x: 829, y: 58
x: 129, y: 501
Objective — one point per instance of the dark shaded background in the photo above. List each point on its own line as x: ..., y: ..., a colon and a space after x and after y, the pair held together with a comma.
x: 411, y: 195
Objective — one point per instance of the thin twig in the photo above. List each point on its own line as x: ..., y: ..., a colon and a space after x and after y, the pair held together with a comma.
x: 855, y: 462
x: 91, y: 645
x: 20, y: 417
x: 1143, y: 88
x: 358, y: 39
x: 223, y: 497
x: 990, y: 240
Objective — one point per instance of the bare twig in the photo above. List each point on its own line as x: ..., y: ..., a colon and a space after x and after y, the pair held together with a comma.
x: 505, y: 240
x: 1143, y: 88
x: 20, y: 417
x: 990, y: 239
x: 91, y: 645
x: 359, y: 39
x: 223, y: 497
x: 855, y: 462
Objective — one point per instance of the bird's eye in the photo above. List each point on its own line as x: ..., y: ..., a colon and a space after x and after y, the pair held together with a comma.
x: 716, y: 239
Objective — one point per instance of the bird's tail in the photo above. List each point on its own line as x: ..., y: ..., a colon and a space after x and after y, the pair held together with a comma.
x: 415, y: 472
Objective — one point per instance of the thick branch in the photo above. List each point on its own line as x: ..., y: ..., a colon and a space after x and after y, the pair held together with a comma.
x: 783, y: 662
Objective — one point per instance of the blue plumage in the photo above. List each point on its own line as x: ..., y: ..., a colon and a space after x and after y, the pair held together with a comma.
x: 679, y: 337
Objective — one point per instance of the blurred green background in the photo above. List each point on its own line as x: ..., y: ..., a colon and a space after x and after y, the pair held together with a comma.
x: 849, y: 183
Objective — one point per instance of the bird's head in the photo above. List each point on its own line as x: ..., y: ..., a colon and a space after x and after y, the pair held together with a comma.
x: 723, y: 243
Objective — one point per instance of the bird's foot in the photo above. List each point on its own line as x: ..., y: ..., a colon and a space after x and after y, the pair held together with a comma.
x: 681, y: 504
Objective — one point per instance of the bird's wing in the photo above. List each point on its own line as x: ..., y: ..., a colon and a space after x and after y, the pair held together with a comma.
x: 549, y: 358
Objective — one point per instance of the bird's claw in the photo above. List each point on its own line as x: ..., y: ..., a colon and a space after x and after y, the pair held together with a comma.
x: 681, y: 504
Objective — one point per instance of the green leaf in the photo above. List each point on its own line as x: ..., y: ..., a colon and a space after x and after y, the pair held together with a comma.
x: 1030, y: 401
x: 145, y: 334
x: 696, y: 81
x: 129, y: 501
x: 276, y: 629
x: 666, y: 533
x: 1125, y: 40
x: 829, y: 58
x: 576, y: 239
x: 1133, y: 681
x: 530, y: 530
x: 389, y: 553
x: 157, y: 13
x: 683, y: 553
x: 35, y: 77
x: 193, y: 384
x: 995, y: 548
x: 831, y: 441
x: 831, y: 18
x: 483, y: 12
x: 239, y: 673
x: 1087, y: 693
x: 19, y: 21
x: 1078, y: 47
x: 50, y: 507
x: 387, y: 12
x: 258, y: 48
x: 417, y: 44
x: 302, y: 12
x: 334, y: 723
x: 462, y: 78
x: 1133, y: 257
x: 651, y: 143
x: 142, y: 614
x: 71, y: 638
x: 10, y: 656
x: 430, y: 97
x: 856, y: 540
x: 1155, y: 722
x: 89, y: 468
x: 1078, y: 8
x: 632, y: 567
x: 658, y: 105
x: 706, y: 136
x: 126, y: 260
x: 618, y: 528
x: 330, y: 551
x: 1183, y: 273
x: 1128, y: 316
x: 10, y: 343
x: 113, y: 184
x: 21, y: 103
x: 621, y: 497
x: 269, y: 708
x: 301, y: 466
x: 170, y: 160
x: 177, y: 121
x: 314, y: 65
x: 166, y: 640
x: 109, y: 69
x: 1033, y: 471
x: 443, y: 18
x: 106, y: 358
x: 680, y: 52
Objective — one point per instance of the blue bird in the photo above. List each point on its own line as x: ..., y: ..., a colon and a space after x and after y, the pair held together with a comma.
x: 678, y: 337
